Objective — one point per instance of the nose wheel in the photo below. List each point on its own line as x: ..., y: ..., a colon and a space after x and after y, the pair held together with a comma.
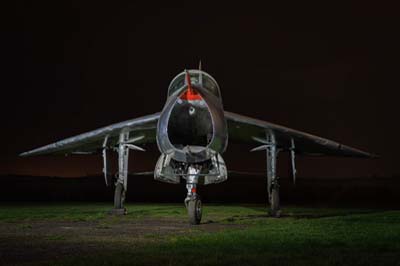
x: 194, y: 209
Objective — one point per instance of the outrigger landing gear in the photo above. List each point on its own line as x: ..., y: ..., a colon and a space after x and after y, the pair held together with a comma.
x: 192, y: 201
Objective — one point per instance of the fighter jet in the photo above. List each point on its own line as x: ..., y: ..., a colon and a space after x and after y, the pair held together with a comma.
x: 192, y: 133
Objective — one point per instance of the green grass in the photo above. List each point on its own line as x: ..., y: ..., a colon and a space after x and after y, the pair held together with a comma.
x: 46, y: 211
x: 99, y: 211
x: 304, y: 236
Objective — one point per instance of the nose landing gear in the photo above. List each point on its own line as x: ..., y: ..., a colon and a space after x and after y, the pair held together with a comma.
x: 192, y: 201
x: 193, y: 207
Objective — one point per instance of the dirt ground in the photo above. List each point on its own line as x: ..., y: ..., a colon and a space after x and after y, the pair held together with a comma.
x: 22, y: 243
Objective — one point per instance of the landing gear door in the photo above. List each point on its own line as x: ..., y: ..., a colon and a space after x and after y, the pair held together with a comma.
x: 164, y: 171
x: 218, y: 172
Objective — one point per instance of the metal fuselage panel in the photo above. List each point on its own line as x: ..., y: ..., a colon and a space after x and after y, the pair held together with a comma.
x: 192, y: 131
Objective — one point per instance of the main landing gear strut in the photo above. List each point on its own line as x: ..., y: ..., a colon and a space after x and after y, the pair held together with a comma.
x: 192, y: 201
x: 272, y: 179
x: 270, y: 146
x: 121, y: 184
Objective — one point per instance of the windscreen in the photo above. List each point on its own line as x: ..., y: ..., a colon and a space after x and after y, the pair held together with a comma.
x: 197, y: 77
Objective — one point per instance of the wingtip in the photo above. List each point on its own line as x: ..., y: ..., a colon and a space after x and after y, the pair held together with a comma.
x: 374, y: 156
x: 29, y: 153
x: 369, y: 155
x: 354, y: 152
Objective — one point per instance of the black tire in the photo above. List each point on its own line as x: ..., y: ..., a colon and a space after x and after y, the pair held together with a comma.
x: 195, y: 211
x: 275, y: 203
x: 119, y: 196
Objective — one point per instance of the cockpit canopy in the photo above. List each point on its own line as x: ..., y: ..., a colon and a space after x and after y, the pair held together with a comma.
x: 207, y: 82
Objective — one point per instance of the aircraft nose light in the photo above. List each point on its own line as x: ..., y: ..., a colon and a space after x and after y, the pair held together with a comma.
x: 192, y: 110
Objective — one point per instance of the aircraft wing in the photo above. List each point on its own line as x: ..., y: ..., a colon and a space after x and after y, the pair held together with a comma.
x: 248, y: 130
x: 93, y: 141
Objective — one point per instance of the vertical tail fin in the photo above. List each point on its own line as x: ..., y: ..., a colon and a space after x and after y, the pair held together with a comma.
x: 188, y: 81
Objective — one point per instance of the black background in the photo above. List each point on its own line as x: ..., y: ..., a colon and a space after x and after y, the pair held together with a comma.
x: 325, y: 68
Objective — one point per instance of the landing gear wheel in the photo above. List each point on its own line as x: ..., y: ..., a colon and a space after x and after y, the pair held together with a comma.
x: 119, y: 196
x: 275, y: 204
x: 194, y: 211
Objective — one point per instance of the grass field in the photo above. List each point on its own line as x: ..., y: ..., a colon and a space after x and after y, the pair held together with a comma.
x: 158, y: 234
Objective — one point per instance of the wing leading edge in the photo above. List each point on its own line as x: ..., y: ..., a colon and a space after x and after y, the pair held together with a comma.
x: 246, y: 129
x: 89, y: 142
x: 241, y: 129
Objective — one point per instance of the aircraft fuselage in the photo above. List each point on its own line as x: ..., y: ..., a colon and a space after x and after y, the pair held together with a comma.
x: 192, y: 126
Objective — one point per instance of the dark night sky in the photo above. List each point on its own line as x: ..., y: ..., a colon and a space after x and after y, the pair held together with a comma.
x: 69, y: 67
